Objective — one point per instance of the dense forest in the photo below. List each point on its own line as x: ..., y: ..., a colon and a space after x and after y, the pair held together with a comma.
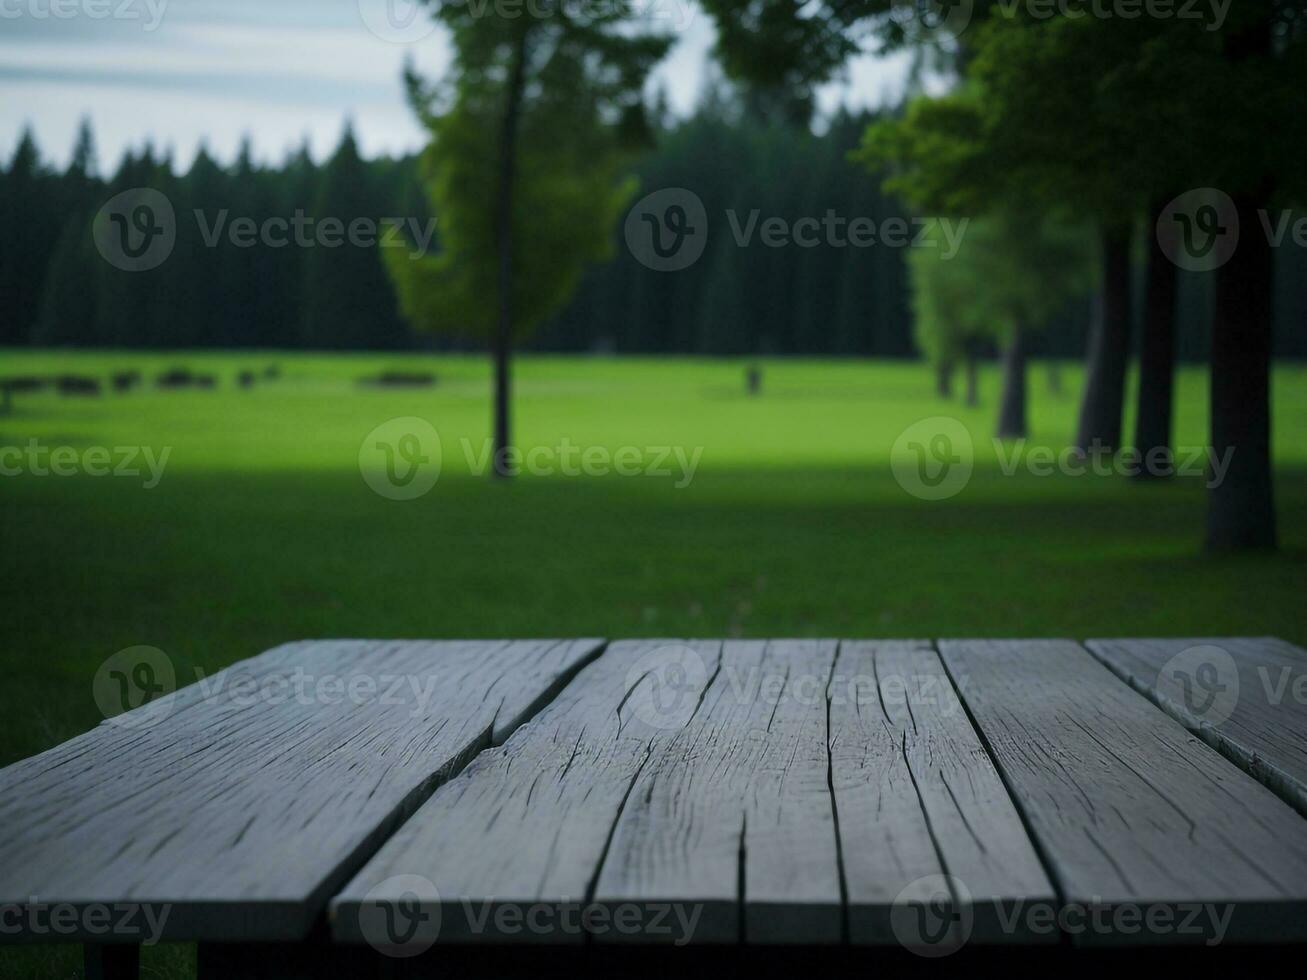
x: 56, y: 290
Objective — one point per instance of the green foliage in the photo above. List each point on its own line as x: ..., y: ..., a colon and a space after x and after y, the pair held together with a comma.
x: 570, y: 85
x: 565, y: 212
x: 27, y: 238
x: 781, y: 51
x: 1013, y: 270
x: 346, y: 302
x: 823, y: 300
x: 948, y: 316
x: 207, y: 293
x: 1104, y: 117
x: 937, y: 155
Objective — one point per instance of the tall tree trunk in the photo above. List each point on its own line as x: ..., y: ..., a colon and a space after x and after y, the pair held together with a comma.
x: 502, y: 346
x: 944, y: 379
x: 973, y: 379
x: 1241, y: 507
x: 1109, y: 348
x: 1012, y: 412
x: 1157, y: 358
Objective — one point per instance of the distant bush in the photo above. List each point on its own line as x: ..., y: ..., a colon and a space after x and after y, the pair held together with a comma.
x: 126, y: 380
x: 74, y: 384
x: 182, y: 378
x: 401, y: 379
x: 24, y: 383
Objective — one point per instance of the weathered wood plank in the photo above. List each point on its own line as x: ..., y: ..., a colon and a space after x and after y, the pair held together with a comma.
x: 510, y: 850
x: 735, y: 815
x: 1151, y: 836
x: 920, y: 804
x: 249, y: 797
x: 1247, y: 698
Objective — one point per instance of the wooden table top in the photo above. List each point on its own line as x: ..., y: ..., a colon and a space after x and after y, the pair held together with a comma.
x: 922, y: 794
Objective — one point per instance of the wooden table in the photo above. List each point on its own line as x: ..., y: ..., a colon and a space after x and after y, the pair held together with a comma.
x: 451, y: 808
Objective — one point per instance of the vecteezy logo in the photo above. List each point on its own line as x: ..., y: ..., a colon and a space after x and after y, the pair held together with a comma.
x: 136, y: 230
x: 397, y: 21
x: 1199, y: 231
x: 1203, y: 681
x: 400, y: 917
x: 664, y: 686
x: 401, y: 459
x: 933, y: 458
x: 668, y: 230
x: 932, y: 20
x: 129, y: 686
x: 932, y: 916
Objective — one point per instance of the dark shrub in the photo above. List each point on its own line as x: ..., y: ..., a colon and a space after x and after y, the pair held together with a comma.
x: 74, y: 384
x: 402, y: 379
x: 24, y: 383
x: 126, y: 380
x: 176, y: 378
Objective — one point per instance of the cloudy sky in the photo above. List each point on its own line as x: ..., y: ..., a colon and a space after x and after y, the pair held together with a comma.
x: 182, y: 72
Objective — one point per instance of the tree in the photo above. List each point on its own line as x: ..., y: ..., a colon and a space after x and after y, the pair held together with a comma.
x: 67, y: 311
x: 1012, y: 272
x: 346, y: 304
x: 70, y: 296
x: 1111, y: 118
x: 1153, y: 425
x: 525, y: 169
x: 1257, y: 74
x: 949, y: 325
x: 782, y: 50
x: 28, y: 240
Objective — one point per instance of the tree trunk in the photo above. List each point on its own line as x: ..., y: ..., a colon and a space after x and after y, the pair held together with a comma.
x: 1157, y: 359
x: 1012, y: 412
x: 1241, y: 507
x: 973, y: 380
x: 1109, y: 347
x: 944, y: 379
x: 502, y: 346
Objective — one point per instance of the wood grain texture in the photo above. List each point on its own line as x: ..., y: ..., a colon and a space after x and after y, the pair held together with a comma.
x: 919, y: 798
x: 512, y: 847
x: 1131, y: 812
x: 732, y: 819
x: 236, y: 814
x: 1258, y: 716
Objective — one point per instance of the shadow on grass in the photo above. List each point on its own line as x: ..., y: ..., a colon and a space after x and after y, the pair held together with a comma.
x: 213, y: 568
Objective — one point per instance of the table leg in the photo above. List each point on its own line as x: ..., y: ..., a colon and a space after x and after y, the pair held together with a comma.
x: 282, y: 961
x: 117, y: 961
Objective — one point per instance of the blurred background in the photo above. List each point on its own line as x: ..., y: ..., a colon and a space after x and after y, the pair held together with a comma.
x: 483, y: 319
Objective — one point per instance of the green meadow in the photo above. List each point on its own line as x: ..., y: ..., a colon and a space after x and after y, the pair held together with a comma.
x: 261, y: 528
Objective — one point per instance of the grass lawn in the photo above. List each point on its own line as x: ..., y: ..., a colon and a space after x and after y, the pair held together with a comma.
x: 262, y: 530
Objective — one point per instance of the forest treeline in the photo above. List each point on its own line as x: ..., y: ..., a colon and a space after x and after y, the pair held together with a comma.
x: 829, y: 299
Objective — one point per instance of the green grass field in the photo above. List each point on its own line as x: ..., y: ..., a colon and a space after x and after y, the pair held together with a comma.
x: 262, y: 529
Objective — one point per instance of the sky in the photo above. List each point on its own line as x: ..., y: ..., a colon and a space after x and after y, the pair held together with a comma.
x: 181, y: 73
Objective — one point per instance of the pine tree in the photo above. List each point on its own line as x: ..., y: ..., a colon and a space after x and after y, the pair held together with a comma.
x: 347, y: 303
x: 28, y: 239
